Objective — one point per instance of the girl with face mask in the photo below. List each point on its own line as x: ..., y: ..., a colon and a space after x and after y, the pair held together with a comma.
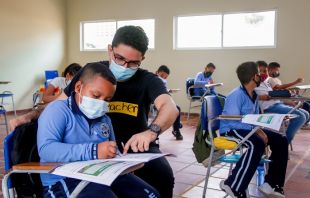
x: 78, y: 129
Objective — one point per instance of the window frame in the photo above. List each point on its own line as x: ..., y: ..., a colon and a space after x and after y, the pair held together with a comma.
x: 116, y: 26
x: 175, y: 33
x: 82, y: 35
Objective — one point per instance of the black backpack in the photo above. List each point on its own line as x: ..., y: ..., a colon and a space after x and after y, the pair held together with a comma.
x: 25, y: 150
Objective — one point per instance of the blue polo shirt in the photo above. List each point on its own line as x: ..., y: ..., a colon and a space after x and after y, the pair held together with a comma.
x: 238, y: 102
x: 201, y: 80
x: 65, y: 134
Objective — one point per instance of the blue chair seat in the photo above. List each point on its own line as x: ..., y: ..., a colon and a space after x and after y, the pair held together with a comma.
x: 235, y: 158
x: 6, y: 95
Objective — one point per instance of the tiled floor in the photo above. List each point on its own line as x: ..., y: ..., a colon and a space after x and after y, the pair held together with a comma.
x: 189, y: 175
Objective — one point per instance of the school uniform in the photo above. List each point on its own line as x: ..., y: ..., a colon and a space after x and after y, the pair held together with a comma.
x: 238, y: 102
x: 65, y: 134
x: 202, y: 80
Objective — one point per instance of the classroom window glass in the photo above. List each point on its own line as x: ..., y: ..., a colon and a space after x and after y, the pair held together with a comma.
x: 249, y: 29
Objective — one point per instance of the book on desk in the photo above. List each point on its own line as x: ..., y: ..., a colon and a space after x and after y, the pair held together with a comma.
x: 105, y: 171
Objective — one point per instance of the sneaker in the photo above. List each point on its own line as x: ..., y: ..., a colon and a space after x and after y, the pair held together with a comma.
x: 230, y: 192
x: 177, y: 135
x: 268, y: 191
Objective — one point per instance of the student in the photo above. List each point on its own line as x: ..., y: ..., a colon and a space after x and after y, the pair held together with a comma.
x: 276, y: 106
x: 242, y: 101
x: 78, y: 129
x: 56, y: 85
x: 203, y: 78
x: 275, y: 82
x: 262, y: 67
x: 163, y: 72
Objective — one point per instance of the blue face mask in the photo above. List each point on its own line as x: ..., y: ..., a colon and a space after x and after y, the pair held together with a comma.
x: 93, y: 108
x: 121, y: 73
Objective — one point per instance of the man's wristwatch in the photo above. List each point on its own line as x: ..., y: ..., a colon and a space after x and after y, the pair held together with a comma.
x: 155, y: 128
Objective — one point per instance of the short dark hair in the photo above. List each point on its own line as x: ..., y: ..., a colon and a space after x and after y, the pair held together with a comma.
x: 273, y: 65
x: 133, y: 36
x: 72, y: 69
x: 163, y: 68
x: 262, y: 63
x: 246, y: 71
x: 211, y: 65
x: 91, y: 70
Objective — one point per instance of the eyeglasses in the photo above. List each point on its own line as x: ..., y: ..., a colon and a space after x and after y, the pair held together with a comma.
x: 122, y: 61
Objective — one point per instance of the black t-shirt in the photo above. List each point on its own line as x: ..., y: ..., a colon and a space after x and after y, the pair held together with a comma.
x: 131, y: 102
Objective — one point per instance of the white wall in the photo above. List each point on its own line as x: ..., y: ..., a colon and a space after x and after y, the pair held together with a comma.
x: 293, y: 40
x: 32, y: 40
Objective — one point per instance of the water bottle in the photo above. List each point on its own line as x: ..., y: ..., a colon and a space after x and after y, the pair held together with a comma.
x: 260, y: 174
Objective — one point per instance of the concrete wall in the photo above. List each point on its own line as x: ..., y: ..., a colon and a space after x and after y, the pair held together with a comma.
x: 32, y: 40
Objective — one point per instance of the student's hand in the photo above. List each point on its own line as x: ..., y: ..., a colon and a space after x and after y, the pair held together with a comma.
x: 260, y: 133
x: 107, y: 150
x: 299, y: 80
x: 140, y: 142
x: 15, y: 122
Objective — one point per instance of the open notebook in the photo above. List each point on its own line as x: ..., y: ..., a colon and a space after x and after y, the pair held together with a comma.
x: 107, y: 170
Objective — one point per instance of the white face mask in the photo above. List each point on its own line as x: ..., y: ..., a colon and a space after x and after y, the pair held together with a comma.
x: 93, y: 108
x: 164, y: 80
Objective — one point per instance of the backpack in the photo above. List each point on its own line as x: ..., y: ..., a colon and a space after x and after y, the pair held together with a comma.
x: 25, y: 150
x: 200, y: 148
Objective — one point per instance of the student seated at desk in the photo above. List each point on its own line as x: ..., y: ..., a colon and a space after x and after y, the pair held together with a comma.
x: 276, y: 84
x: 276, y: 106
x: 242, y: 101
x: 78, y: 129
x: 163, y: 72
x: 58, y: 84
x: 203, y: 78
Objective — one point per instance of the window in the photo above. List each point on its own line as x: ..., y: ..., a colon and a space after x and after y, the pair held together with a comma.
x: 249, y: 29
x: 255, y: 29
x: 96, y: 35
x: 148, y: 26
x: 198, y: 31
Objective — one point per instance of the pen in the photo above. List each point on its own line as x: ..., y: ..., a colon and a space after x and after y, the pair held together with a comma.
x: 123, y: 146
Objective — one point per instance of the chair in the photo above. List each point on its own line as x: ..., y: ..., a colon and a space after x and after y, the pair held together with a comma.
x: 8, y: 94
x: 3, y: 112
x: 210, y: 121
x: 28, y: 167
x: 50, y: 75
x: 190, y: 95
x: 31, y: 167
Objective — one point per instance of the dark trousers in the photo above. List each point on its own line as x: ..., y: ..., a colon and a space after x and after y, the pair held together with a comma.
x: 246, y: 166
x: 158, y: 173
x: 177, y: 122
x: 124, y: 186
x: 306, y: 106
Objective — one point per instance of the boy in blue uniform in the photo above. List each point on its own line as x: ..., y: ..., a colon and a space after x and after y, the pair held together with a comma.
x: 203, y: 78
x: 77, y: 129
x: 163, y: 72
x: 242, y: 101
